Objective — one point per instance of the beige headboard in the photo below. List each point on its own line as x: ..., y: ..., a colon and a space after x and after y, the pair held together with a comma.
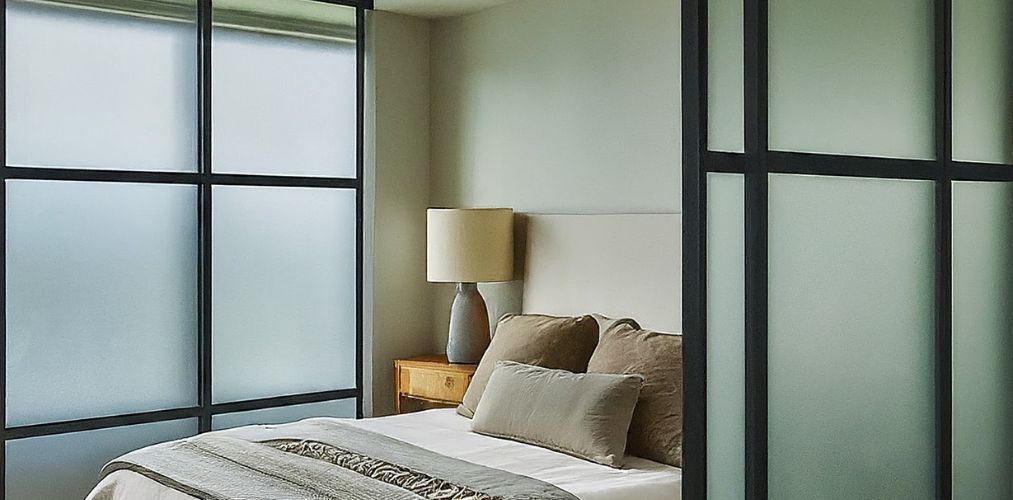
x: 617, y: 265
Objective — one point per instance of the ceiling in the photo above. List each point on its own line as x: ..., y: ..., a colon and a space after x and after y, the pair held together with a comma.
x: 435, y: 8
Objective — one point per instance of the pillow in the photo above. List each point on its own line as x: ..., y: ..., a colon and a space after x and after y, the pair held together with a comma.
x: 605, y: 323
x: 565, y: 343
x: 656, y: 428
x: 586, y: 415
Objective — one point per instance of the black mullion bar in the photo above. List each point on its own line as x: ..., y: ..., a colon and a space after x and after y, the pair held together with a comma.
x: 3, y: 253
x: 204, y: 359
x: 783, y: 162
x: 756, y: 333
x: 944, y: 246
x: 91, y: 424
x: 694, y: 254
x: 755, y: 69
x: 96, y: 423
x: 280, y: 401
x: 944, y: 332
x: 970, y: 171
x: 367, y: 4
x: 283, y: 181
x: 204, y: 157
x: 360, y: 85
x: 99, y: 175
x: 728, y: 163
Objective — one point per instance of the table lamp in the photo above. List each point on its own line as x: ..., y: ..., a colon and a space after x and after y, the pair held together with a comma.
x: 469, y: 246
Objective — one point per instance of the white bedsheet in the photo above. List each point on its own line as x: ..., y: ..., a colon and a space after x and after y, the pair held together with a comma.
x: 447, y: 433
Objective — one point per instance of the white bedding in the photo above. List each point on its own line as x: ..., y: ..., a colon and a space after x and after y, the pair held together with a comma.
x: 447, y: 433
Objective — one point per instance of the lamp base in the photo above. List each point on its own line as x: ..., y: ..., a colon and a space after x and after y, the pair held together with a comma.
x: 469, y: 326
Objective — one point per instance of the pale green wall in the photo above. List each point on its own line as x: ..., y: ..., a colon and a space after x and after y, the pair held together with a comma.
x: 568, y: 106
x: 563, y: 106
x: 558, y: 106
x: 397, y: 295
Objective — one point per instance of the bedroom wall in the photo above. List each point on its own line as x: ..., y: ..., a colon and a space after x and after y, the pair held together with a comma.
x: 568, y: 106
x: 397, y: 306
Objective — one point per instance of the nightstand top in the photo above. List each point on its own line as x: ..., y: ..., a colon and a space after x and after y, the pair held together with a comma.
x: 436, y: 361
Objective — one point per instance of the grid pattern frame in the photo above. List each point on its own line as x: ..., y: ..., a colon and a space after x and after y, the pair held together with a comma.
x: 756, y: 163
x: 203, y: 179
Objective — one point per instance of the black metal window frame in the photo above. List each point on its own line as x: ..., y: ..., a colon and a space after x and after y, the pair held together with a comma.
x: 203, y: 180
x: 755, y: 164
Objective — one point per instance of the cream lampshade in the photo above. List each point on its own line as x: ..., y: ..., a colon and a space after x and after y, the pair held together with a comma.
x: 468, y: 246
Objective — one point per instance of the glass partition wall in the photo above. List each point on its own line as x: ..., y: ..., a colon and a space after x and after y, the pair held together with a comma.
x: 182, y: 196
x: 848, y: 194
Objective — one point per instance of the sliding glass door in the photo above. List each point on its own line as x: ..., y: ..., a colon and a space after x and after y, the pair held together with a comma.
x: 858, y: 158
x: 182, y: 196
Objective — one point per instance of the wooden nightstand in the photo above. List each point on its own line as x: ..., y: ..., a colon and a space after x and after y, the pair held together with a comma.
x: 429, y: 382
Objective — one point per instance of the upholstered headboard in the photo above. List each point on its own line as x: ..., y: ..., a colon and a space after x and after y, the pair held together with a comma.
x: 627, y: 265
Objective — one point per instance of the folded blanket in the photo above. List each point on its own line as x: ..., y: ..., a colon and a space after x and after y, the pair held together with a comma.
x: 321, y: 459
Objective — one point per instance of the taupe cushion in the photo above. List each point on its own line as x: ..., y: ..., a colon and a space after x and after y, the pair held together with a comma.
x: 605, y: 323
x: 586, y: 415
x: 656, y: 429
x: 552, y: 342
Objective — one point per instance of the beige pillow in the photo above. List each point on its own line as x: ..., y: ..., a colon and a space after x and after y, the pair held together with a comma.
x: 565, y: 343
x: 605, y: 323
x: 586, y: 415
x: 656, y: 429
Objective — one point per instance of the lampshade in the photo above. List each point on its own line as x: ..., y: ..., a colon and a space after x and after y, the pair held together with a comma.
x: 469, y: 245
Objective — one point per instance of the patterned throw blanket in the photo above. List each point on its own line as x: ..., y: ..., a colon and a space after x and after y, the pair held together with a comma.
x: 321, y: 459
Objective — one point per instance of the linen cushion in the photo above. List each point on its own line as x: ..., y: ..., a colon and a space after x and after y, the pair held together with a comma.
x: 656, y: 428
x: 605, y: 323
x: 586, y: 415
x: 552, y: 342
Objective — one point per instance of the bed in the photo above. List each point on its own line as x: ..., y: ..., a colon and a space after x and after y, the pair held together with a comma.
x: 619, y: 265
x: 446, y: 432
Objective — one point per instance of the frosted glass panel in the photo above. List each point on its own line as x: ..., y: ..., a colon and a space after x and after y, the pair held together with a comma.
x: 283, y: 104
x: 725, y: 337
x: 283, y: 291
x: 725, y: 95
x: 851, y: 339
x: 982, y: 341
x: 101, y: 290
x: 66, y: 467
x: 852, y: 77
x: 983, y: 80
x: 91, y: 89
x: 344, y: 408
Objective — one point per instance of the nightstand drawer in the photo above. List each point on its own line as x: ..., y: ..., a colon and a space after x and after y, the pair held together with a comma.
x: 433, y: 384
x: 425, y: 382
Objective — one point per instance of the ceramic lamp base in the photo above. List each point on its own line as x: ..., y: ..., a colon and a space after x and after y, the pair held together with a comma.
x: 469, y: 326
